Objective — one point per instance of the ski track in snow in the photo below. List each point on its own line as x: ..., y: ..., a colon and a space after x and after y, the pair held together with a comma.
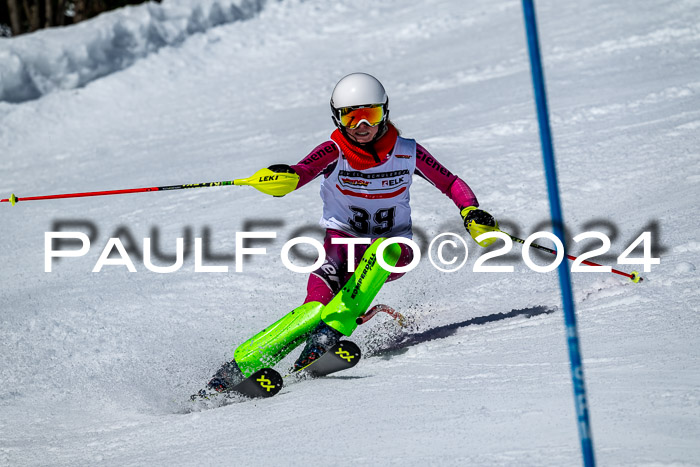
x: 97, y: 367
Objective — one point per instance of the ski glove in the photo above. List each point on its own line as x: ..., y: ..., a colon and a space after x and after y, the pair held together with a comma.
x: 278, y: 180
x: 281, y: 169
x: 477, y: 222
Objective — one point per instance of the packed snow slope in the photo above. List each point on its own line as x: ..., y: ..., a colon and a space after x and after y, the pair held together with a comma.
x: 36, y: 64
x: 97, y: 367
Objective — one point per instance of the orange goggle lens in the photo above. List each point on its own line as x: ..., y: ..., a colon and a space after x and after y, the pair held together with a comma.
x: 351, y: 117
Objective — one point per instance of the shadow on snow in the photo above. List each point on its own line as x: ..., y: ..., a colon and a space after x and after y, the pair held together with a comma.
x: 401, y: 343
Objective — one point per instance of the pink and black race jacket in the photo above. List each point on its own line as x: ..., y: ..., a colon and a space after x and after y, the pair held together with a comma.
x: 373, y: 202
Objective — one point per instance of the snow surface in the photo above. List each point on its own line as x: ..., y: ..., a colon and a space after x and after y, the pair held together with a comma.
x: 35, y: 64
x: 98, y: 367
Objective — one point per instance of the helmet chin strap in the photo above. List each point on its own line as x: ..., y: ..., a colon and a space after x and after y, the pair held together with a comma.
x: 382, y: 131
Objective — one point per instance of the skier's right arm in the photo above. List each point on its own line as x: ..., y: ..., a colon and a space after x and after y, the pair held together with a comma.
x: 320, y: 159
x: 311, y: 166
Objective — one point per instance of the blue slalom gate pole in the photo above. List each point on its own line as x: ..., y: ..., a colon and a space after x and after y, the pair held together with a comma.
x: 584, y: 426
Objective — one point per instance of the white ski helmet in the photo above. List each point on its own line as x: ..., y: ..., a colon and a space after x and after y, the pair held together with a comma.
x: 357, y: 90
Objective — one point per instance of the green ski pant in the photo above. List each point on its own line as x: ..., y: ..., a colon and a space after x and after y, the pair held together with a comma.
x: 273, y: 343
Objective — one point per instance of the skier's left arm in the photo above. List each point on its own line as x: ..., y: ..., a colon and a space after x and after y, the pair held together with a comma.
x: 476, y: 221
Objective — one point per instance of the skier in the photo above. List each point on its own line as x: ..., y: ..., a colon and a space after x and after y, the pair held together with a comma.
x: 367, y: 173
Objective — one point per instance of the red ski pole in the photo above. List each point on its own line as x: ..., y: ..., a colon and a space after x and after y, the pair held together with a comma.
x: 634, y: 276
x: 386, y: 309
x: 14, y: 199
x: 264, y: 180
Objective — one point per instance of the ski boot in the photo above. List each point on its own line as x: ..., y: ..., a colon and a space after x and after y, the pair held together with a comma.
x: 321, y: 339
x: 226, y: 378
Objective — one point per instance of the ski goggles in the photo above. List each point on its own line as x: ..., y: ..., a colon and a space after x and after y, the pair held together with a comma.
x: 351, y: 117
